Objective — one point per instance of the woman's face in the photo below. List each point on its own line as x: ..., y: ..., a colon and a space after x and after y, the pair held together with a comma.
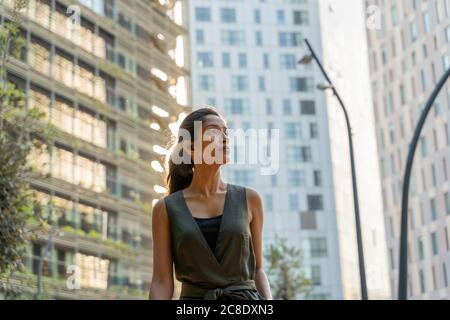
x: 214, y: 142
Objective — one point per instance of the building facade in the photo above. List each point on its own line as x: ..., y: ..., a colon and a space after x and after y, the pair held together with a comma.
x: 111, y: 77
x: 409, y: 50
x: 244, y: 62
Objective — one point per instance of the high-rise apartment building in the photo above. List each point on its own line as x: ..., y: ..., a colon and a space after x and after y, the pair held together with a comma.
x: 409, y: 50
x: 111, y: 76
x: 244, y: 57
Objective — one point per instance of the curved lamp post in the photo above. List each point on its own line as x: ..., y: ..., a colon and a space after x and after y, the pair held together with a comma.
x: 362, y: 271
x: 403, y: 267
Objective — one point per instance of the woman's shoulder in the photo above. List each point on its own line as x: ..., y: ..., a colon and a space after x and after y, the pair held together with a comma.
x: 251, y: 193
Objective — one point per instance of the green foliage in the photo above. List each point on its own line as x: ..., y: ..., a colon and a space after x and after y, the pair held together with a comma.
x: 21, y: 133
x: 73, y: 230
x: 94, y: 234
x: 286, y: 279
x: 11, y: 42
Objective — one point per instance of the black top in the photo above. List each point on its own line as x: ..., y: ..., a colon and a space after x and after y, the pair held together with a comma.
x: 210, y: 229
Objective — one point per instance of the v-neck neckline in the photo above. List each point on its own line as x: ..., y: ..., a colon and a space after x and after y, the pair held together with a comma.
x: 212, y: 253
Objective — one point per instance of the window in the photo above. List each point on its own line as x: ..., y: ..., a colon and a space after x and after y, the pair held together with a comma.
x: 280, y: 16
x: 422, y: 281
x: 289, y: 39
x: 433, y: 175
x: 257, y: 16
x: 308, y: 220
x: 233, y: 37
x: 315, y: 202
x: 426, y: 22
x: 423, y: 80
x: 206, y: 82
x: 447, y: 239
x: 103, y: 7
x: 317, y: 175
x: 205, y: 60
x: 269, y: 107
x: 294, y: 154
x: 199, y: 36
x: 266, y: 61
x: 434, y: 244
x: 296, y: 178
x: 444, y: 270
x: 228, y: 15
x: 301, y: 18
x: 445, y: 62
x: 258, y: 38
x: 444, y: 168
x: 307, y: 107
x: 78, y: 170
x: 423, y: 147
x: 447, y: 134
x: 268, y: 199
x: 239, y: 83
x: 293, y: 202
x: 42, y: 13
x: 300, y: 84
x: 313, y: 130
x: 394, y: 15
x: 288, y: 61
x: 261, y: 83
x: 402, y: 94
x: 287, y: 107
x: 273, y: 180
x: 202, y: 14
x: 63, y: 68
x: 125, y: 22
x: 226, y: 60
x: 94, y: 271
x: 244, y: 177
x: 306, y: 154
x: 447, y: 34
x: 142, y: 33
x: 236, y: 106
x: 447, y: 202
x: 41, y: 99
x: 39, y: 55
x: 421, y: 249
x: 318, y: 247
x: 413, y: 30
x: 316, y: 278
x: 242, y: 60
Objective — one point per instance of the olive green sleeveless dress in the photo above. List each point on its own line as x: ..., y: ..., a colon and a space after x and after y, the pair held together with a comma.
x: 229, y: 272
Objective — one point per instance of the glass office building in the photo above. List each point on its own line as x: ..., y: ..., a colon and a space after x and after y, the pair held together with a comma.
x: 111, y: 76
x: 244, y: 57
x: 409, y: 50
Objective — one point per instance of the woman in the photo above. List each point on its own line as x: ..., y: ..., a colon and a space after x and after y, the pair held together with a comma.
x: 210, y: 230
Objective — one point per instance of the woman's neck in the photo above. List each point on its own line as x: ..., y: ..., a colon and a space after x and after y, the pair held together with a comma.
x: 207, y: 180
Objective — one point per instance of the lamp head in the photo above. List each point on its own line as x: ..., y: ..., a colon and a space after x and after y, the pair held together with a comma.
x: 324, y: 86
x: 306, y: 59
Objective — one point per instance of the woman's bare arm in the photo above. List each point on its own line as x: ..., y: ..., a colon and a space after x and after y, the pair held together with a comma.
x: 256, y: 216
x: 162, y: 286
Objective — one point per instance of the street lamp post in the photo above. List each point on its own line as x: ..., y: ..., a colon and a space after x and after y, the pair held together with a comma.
x: 403, y: 266
x: 362, y: 271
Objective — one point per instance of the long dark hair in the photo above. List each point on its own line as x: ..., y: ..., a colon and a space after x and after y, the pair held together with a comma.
x: 179, y: 176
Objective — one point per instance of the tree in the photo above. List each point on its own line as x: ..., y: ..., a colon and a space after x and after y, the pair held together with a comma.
x: 22, y: 133
x: 287, y: 281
